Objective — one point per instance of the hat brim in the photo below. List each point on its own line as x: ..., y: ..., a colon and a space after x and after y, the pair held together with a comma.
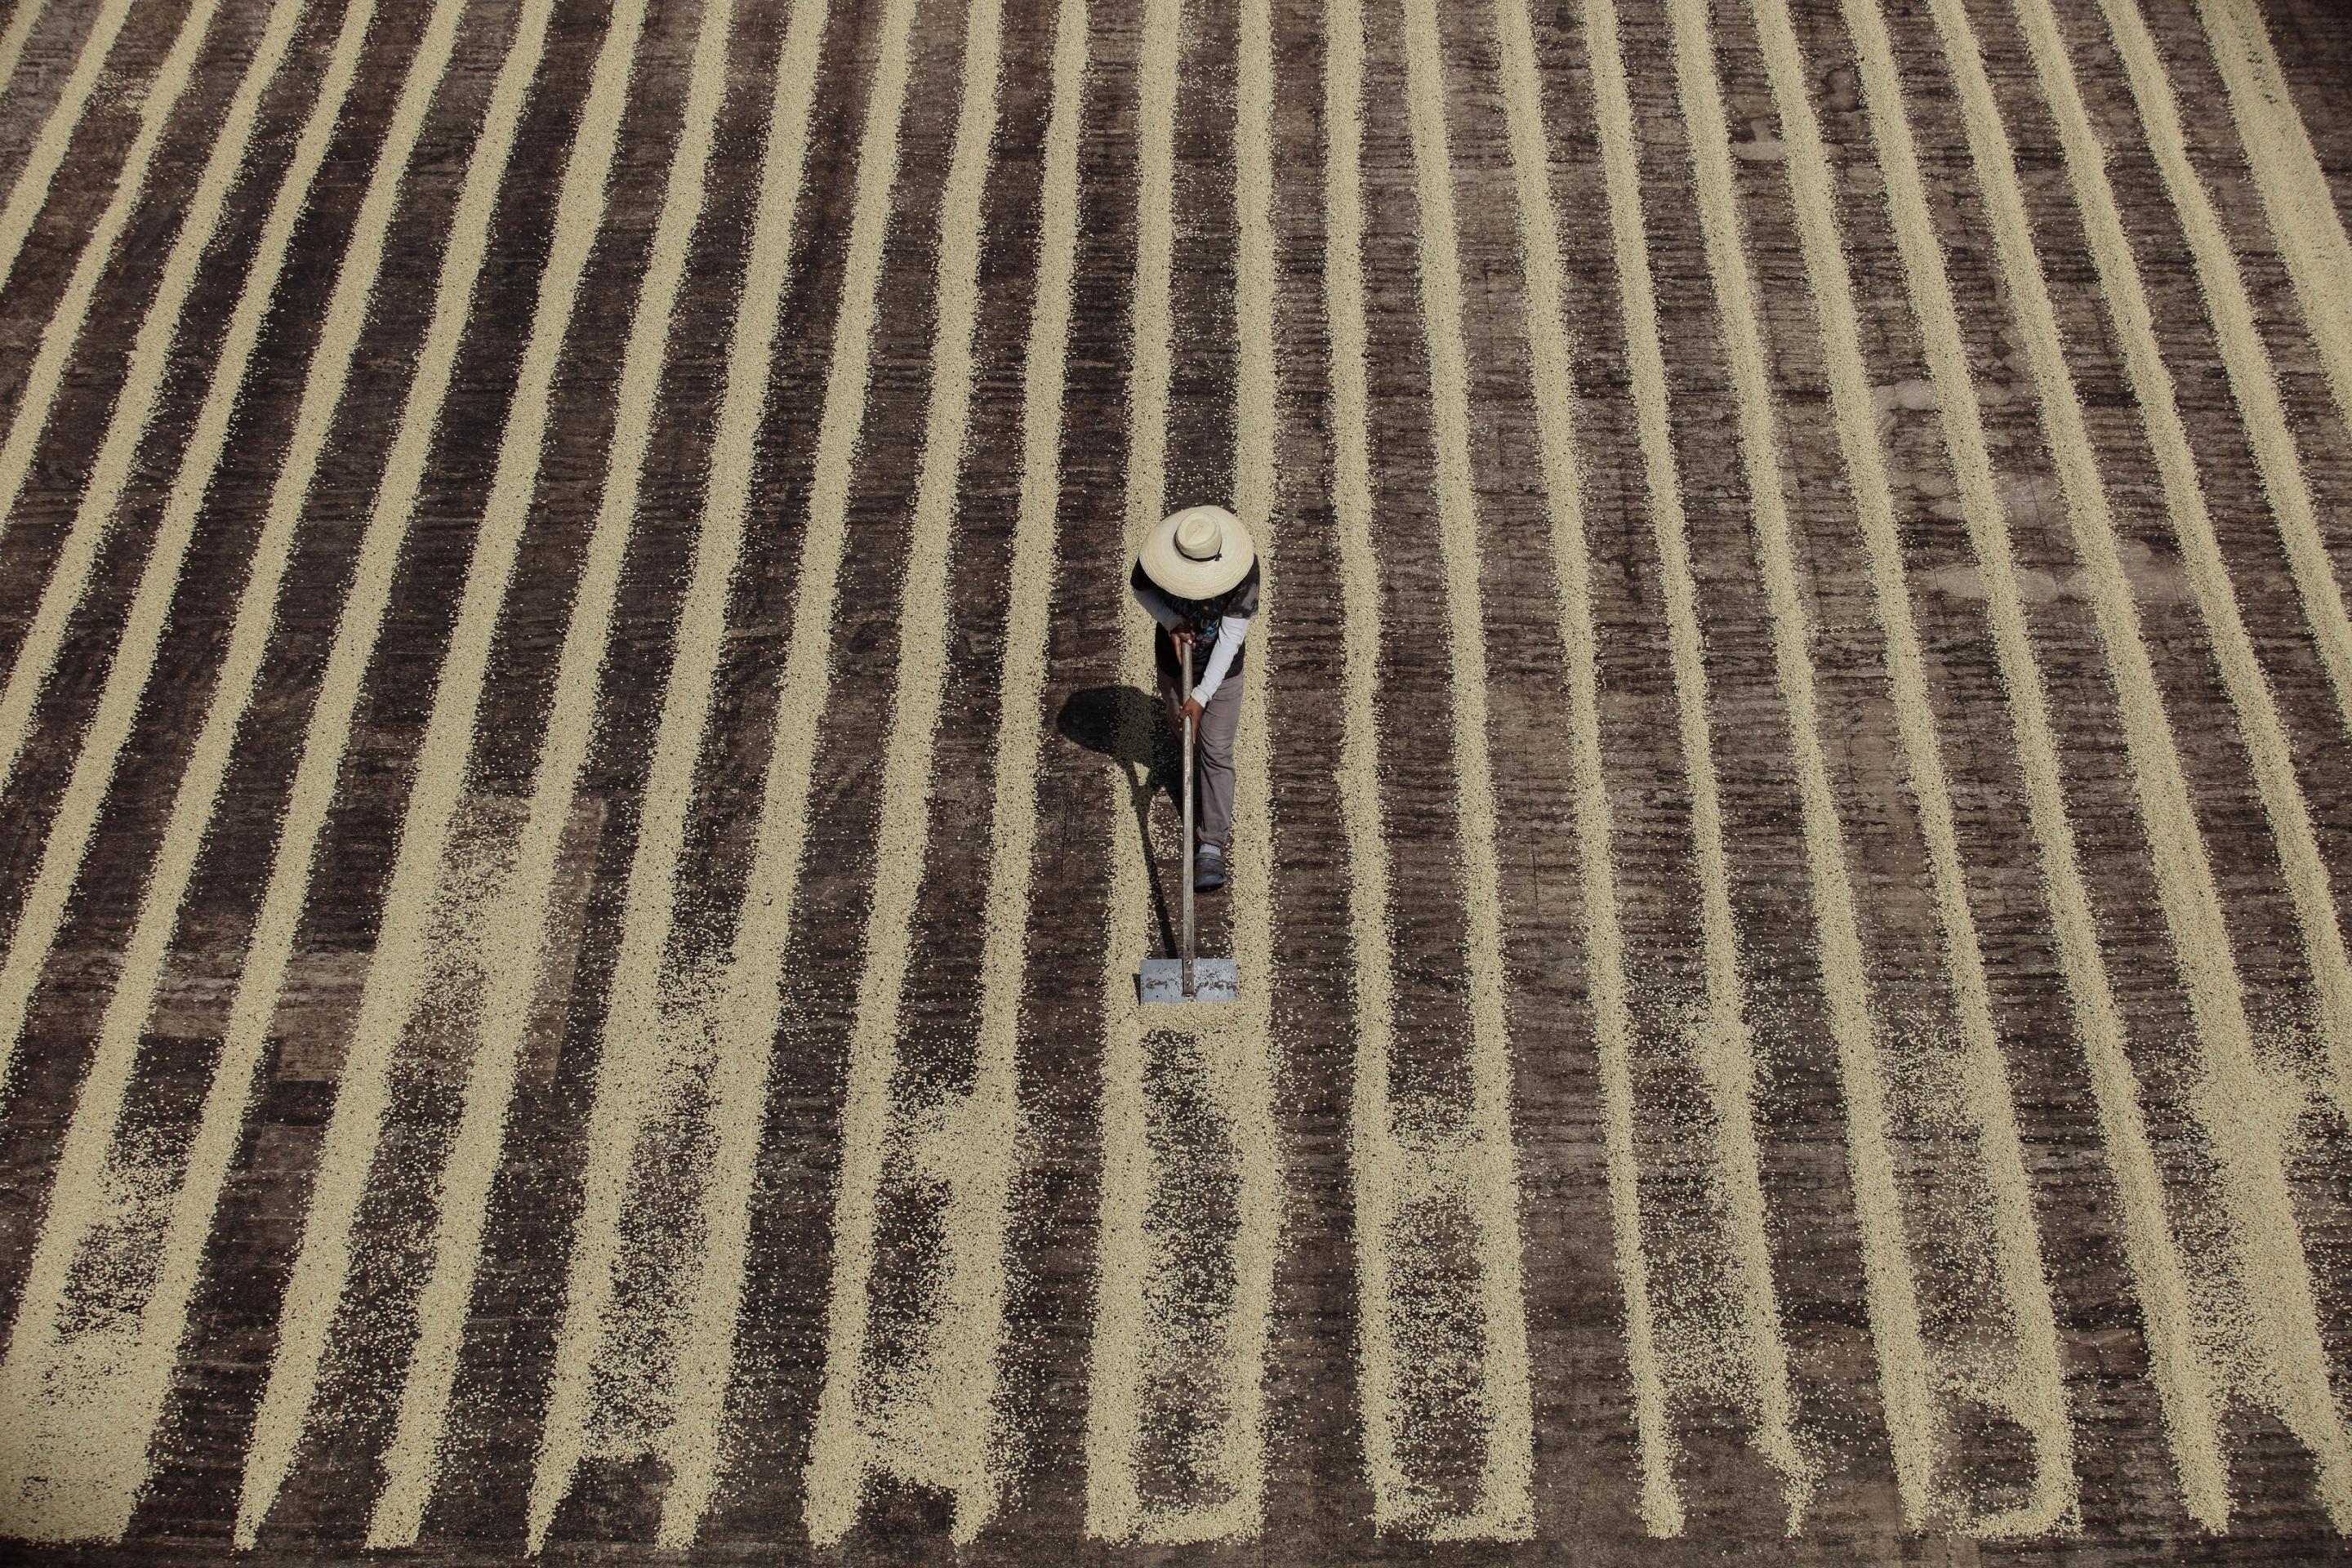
x: 1180, y: 575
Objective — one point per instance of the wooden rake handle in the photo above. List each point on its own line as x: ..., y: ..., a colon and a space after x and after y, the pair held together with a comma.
x: 1184, y: 871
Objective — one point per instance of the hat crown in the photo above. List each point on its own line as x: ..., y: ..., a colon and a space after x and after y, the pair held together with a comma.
x: 1199, y: 535
x: 1197, y: 552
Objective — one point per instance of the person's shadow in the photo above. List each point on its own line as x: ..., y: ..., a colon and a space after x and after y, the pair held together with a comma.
x: 1126, y: 725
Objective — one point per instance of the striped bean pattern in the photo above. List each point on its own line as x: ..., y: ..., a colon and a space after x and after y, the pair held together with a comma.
x: 582, y: 791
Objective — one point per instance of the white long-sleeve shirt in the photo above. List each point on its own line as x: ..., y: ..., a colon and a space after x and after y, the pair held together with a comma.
x: 1230, y: 630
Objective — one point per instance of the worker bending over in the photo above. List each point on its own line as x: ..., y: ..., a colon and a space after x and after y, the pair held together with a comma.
x: 1197, y: 575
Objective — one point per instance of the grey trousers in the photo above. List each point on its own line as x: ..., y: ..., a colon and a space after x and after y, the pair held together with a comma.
x: 1212, y: 752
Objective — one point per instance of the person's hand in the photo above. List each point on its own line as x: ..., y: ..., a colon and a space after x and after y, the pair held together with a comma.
x: 1182, y: 636
x: 1192, y: 709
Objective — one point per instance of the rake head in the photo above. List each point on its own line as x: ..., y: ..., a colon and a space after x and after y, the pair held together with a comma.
x: 1213, y: 979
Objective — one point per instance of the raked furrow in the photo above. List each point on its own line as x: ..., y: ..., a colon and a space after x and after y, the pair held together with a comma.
x: 1249, y: 1103
x: 2253, y: 377
x: 749, y: 1008
x: 1729, y: 1044
x: 34, y: 932
x: 949, y: 1433
x: 12, y: 42
x: 36, y: 656
x: 2154, y: 1254
x: 912, y: 1421
x: 2294, y: 190
x: 1148, y: 1317
x: 974, y: 1302
x: 1552, y: 366
x: 1418, y: 1166
x: 633, y: 1051
x: 1372, y: 1149
x: 122, y: 1353
x: 2259, y: 725
x: 2271, y: 1271
x: 1889, y: 1261
x: 515, y: 944
x: 30, y: 190
x: 1854, y: 1022
x: 1114, y: 1414
x: 2031, y: 1390
x: 402, y: 963
x: 744, y: 1015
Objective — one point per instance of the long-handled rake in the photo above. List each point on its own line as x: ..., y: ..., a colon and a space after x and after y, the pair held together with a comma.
x: 1188, y: 978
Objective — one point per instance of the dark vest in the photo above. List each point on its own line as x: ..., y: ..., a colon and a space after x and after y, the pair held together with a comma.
x: 1205, y: 617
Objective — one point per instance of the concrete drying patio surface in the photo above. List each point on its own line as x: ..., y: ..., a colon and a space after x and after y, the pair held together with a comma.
x: 579, y: 805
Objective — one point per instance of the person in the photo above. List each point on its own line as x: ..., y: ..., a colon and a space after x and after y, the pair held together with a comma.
x: 1197, y: 576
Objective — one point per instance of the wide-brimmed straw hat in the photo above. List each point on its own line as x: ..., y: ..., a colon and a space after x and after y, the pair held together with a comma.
x: 1198, y: 554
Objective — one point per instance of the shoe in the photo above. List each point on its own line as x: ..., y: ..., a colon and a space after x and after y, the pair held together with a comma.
x: 1208, y: 869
